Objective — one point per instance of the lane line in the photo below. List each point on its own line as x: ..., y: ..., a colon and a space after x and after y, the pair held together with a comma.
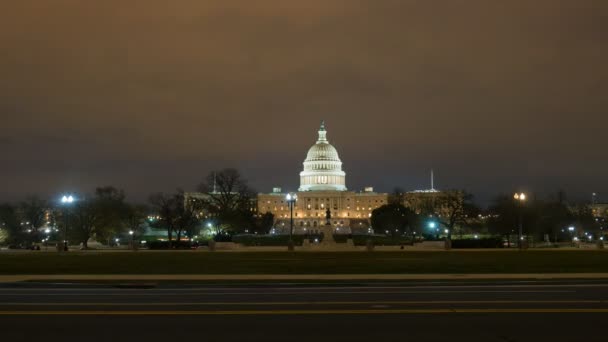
x: 276, y: 277
x: 312, y: 303
x: 276, y: 294
x: 298, y: 312
x: 337, y: 288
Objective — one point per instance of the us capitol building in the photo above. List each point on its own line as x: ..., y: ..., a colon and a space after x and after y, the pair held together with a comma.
x: 322, y: 187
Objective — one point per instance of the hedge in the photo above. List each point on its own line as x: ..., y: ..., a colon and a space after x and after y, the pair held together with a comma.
x: 281, y: 240
x: 478, y: 243
x: 174, y: 244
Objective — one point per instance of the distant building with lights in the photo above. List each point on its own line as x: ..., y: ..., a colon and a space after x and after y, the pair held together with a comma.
x: 323, y: 187
x: 599, y: 210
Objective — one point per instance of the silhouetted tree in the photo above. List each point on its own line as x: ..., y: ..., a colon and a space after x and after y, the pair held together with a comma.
x: 165, y: 206
x: 506, y: 213
x: 33, y: 212
x: 97, y: 216
x: 451, y: 208
x: 10, y: 224
x: 174, y: 214
x: 229, y: 200
x: 265, y: 223
x: 111, y: 211
x: 397, y: 196
x: 135, y: 220
x: 394, y: 218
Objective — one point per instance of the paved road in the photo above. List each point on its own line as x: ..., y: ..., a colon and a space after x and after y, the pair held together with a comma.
x: 421, y: 311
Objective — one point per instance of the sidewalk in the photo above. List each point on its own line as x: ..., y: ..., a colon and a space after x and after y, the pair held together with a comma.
x: 245, y: 277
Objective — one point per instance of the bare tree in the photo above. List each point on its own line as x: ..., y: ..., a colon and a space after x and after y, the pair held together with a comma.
x: 450, y: 208
x: 9, y: 223
x: 135, y: 221
x: 228, y: 199
x: 165, y: 207
x: 33, y: 211
x: 97, y: 216
x: 174, y: 214
x: 84, y: 218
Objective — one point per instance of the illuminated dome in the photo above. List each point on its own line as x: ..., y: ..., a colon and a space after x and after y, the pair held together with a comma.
x: 322, y: 167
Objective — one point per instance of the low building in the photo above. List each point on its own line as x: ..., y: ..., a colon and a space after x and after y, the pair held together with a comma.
x: 600, y: 210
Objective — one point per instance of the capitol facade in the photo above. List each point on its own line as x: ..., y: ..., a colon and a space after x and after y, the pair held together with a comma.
x: 322, y: 188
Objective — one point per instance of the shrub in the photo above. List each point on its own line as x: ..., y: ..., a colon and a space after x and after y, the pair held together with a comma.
x: 381, y: 240
x: 223, y: 237
x: 267, y: 240
x: 478, y: 243
x: 281, y: 240
x: 174, y: 244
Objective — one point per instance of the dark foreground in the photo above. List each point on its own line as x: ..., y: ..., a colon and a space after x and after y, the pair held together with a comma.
x: 508, y: 311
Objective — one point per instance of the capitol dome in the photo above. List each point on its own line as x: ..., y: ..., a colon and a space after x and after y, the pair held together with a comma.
x: 322, y: 167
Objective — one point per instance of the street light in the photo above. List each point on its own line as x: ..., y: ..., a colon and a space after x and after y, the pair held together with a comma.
x: 131, y: 238
x: 520, y: 196
x: 434, y: 228
x: 520, y: 199
x: 66, y: 201
x: 291, y: 201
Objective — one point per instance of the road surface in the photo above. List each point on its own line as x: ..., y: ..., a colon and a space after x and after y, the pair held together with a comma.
x: 418, y: 311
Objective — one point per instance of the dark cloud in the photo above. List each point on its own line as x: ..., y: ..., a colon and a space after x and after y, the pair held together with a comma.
x: 495, y: 95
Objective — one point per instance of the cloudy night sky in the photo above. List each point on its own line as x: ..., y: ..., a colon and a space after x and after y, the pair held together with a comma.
x: 151, y: 95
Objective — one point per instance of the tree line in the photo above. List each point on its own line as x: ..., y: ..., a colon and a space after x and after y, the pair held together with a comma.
x: 453, y: 212
x: 225, y: 207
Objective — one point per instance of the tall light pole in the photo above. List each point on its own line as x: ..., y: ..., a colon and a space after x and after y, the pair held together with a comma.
x: 434, y: 229
x: 131, y: 238
x: 571, y: 229
x: 46, y: 240
x: 291, y: 201
x: 66, y: 201
x: 520, y: 198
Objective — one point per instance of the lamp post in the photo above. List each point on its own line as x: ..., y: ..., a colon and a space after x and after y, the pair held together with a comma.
x: 434, y: 229
x: 66, y: 201
x: 291, y: 201
x: 520, y: 198
x: 46, y: 240
x: 131, y: 239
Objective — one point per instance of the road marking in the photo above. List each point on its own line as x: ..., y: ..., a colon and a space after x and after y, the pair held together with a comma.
x: 311, y: 303
x: 130, y: 294
x: 307, y: 288
x: 297, y: 312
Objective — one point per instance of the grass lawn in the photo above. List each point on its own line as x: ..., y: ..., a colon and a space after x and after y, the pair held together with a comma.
x: 192, y: 262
